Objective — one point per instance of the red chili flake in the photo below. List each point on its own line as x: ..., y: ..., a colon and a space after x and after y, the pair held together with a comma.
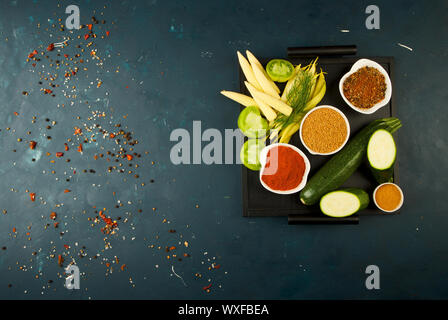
x: 129, y: 157
x: 60, y: 260
x: 33, y: 196
x: 53, y: 216
x: 207, y: 287
x: 32, y: 54
x: 66, y: 147
x: 73, y: 73
x: 14, y: 230
x: 107, y: 220
x: 78, y: 130
x: 47, y: 91
x: 216, y: 266
x: 67, y: 191
x: 56, y: 224
x: 66, y: 55
x: 122, y: 267
x: 16, y: 113
x: 59, y: 154
x: 112, y: 135
x: 86, y: 36
x: 66, y: 246
x: 66, y: 75
x: 33, y: 145
x: 107, y: 33
x: 90, y: 26
x: 80, y: 148
x: 50, y: 47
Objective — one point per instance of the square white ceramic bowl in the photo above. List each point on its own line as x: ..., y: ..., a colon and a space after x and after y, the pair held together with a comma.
x: 361, y: 63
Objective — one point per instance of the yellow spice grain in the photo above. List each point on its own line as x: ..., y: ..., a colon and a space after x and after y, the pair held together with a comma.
x: 324, y: 130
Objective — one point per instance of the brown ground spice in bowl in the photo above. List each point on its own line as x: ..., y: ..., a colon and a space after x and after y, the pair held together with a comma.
x: 365, y: 88
x: 324, y: 130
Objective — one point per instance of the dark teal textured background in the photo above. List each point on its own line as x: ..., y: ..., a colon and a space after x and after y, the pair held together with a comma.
x: 194, y: 43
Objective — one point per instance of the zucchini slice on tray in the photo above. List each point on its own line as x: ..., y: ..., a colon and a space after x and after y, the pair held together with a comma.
x: 381, y: 155
x: 344, y: 202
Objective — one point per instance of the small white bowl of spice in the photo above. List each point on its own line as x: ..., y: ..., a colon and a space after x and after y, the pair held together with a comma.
x: 324, y: 130
x: 366, y: 87
x: 388, y: 197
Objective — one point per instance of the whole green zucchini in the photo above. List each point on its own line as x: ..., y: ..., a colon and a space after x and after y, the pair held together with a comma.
x: 342, y: 165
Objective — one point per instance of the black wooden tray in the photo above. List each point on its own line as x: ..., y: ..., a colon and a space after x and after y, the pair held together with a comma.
x: 258, y: 202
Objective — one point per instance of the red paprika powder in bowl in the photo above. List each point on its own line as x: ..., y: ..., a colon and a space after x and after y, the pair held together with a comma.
x: 284, y: 168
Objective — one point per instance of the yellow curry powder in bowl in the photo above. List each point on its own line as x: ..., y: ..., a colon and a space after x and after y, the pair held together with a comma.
x: 324, y: 130
x: 388, y: 197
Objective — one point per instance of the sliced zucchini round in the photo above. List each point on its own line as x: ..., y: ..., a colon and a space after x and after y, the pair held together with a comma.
x: 344, y: 202
x: 250, y: 154
x: 381, y: 155
x: 381, y: 150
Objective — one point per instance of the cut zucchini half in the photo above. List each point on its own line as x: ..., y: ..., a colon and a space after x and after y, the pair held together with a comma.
x: 381, y: 155
x: 344, y: 202
x: 250, y: 154
x: 251, y: 123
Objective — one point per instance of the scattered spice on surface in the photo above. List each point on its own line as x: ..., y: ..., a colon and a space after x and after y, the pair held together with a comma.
x: 60, y: 260
x: 50, y: 47
x: 58, y: 73
x: 365, y: 88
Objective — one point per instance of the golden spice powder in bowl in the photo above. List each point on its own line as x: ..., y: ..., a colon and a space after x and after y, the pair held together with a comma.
x: 324, y: 130
x: 388, y: 197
